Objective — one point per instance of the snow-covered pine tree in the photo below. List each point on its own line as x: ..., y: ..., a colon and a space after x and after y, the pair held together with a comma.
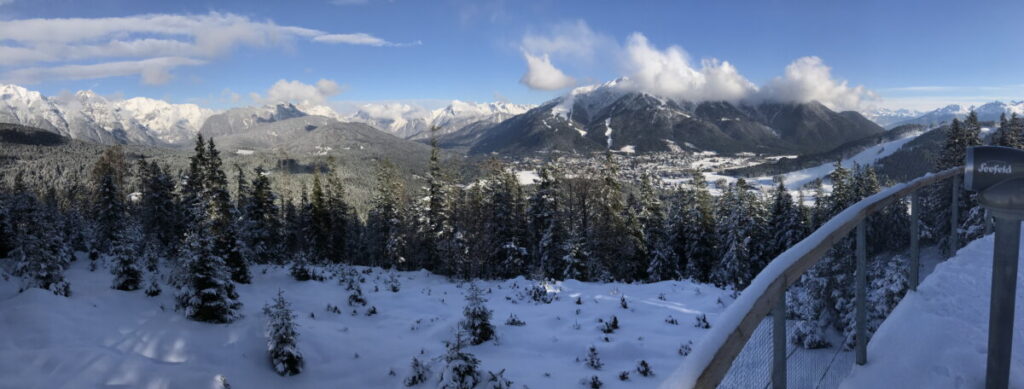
x: 124, y: 250
x: 547, y: 228
x: 503, y: 222
x: 221, y: 214
x: 476, y: 322
x: 418, y: 373
x: 261, y: 226
x: 437, y: 212
x: 662, y: 263
x: 613, y: 241
x: 108, y: 195
x: 384, y: 224
x: 40, y: 251
x: 461, y: 368
x: 741, y: 231
x: 693, y: 227
x: 282, y: 336
x: 158, y: 209
x: 786, y: 224
x: 208, y: 294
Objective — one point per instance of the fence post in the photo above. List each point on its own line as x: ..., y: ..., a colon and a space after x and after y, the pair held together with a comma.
x: 1004, y: 286
x: 988, y: 222
x: 779, y: 340
x: 915, y: 237
x: 862, y: 278
x: 954, y: 217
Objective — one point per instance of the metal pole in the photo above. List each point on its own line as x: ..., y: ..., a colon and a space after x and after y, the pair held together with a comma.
x: 779, y: 340
x: 1004, y: 291
x: 954, y: 217
x: 915, y: 237
x: 988, y: 222
x: 862, y: 280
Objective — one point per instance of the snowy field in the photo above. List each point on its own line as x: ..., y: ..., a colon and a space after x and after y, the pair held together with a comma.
x: 102, y: 337
x: 938, y: 337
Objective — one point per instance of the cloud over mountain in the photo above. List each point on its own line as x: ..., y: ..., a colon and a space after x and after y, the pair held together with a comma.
x: 541, y: 74
x: 671, y: 72
x: 294, y: 91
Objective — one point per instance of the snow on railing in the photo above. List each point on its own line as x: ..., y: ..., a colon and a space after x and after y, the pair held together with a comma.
x: 712, y: 357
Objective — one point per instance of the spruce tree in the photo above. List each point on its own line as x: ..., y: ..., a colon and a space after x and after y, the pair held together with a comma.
x: 40, y: 252
x: 221, y: 214
x: 127, y: 269
x: 461, y: 367
x: 108, y: 199
x: 546, y: 224
x: 694, y: 230
x: 786, y: 224
x: 208, y: 294
x: 477, y: 318
x: 282, y: 336
x: 261, y: 224
x: 385, y: 219
x: 662, y: 263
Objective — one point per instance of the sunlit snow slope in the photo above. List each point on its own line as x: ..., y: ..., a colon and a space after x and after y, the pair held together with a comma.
x: 938, y: 336
x: 101, y: 337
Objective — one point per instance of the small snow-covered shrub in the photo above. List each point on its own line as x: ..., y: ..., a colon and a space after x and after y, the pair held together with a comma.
x: 153, y: 289
x: 418, y: 373
x: 498, y: 380
x: 623, y: 302
x: 394, y: 285
x: 611, y: 325
x: 477, y: 320
x: 685, y: 349
x: 281, y: 337
x: 538, y: 293
x: 702, y: 322
x: 460, y: 370
x: 513, y: 320
x: 593, y: 382
x: 356, y: 298
x: 644, y: 368
x: 593, y: 360
x: 624, y: 375
x: 671, y: 320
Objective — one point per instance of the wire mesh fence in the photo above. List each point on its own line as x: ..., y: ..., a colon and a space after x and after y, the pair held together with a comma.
x: 805, y: 368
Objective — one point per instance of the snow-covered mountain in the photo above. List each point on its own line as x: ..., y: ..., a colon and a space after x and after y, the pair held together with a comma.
x: 887, y: 118
x: 615, y: 116
x: 91, y: 117
x: 413, y: 122
x: 986, y: 112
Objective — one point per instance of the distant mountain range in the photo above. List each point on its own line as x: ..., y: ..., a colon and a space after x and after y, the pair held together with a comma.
x: 90, y: 117
x: 986, y: 112
x: 609, y: 116
x: 587, y: 119
x: 412, y: 122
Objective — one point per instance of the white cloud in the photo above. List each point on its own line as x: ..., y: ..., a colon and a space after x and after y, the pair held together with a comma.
x: 152, y: 71
x: 669, y: 73
x: 284, y: 91
x: 5, y: 2
x: 571, y: 39
x: 80, y: 42
x: 358, y: 39
x: 541, y: 74
x: 808, y: 79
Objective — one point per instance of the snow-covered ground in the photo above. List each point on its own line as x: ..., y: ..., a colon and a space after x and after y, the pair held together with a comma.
x: 101, y: 337
x: 938, y: 336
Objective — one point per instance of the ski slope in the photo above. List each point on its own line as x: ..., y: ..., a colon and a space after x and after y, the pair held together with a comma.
x: 101, y: 337
x: 938, y: 337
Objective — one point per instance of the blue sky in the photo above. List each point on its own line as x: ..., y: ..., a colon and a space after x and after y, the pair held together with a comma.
x: 901, y: 53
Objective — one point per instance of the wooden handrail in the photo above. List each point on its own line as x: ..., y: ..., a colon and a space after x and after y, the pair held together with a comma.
x: 735, y: 326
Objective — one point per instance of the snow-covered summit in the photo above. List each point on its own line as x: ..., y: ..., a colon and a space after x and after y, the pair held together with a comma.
x: 86, y: 115
x: 412, y: 121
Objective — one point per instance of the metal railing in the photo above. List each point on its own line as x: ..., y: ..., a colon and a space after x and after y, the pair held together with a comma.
x: 710, y: 362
